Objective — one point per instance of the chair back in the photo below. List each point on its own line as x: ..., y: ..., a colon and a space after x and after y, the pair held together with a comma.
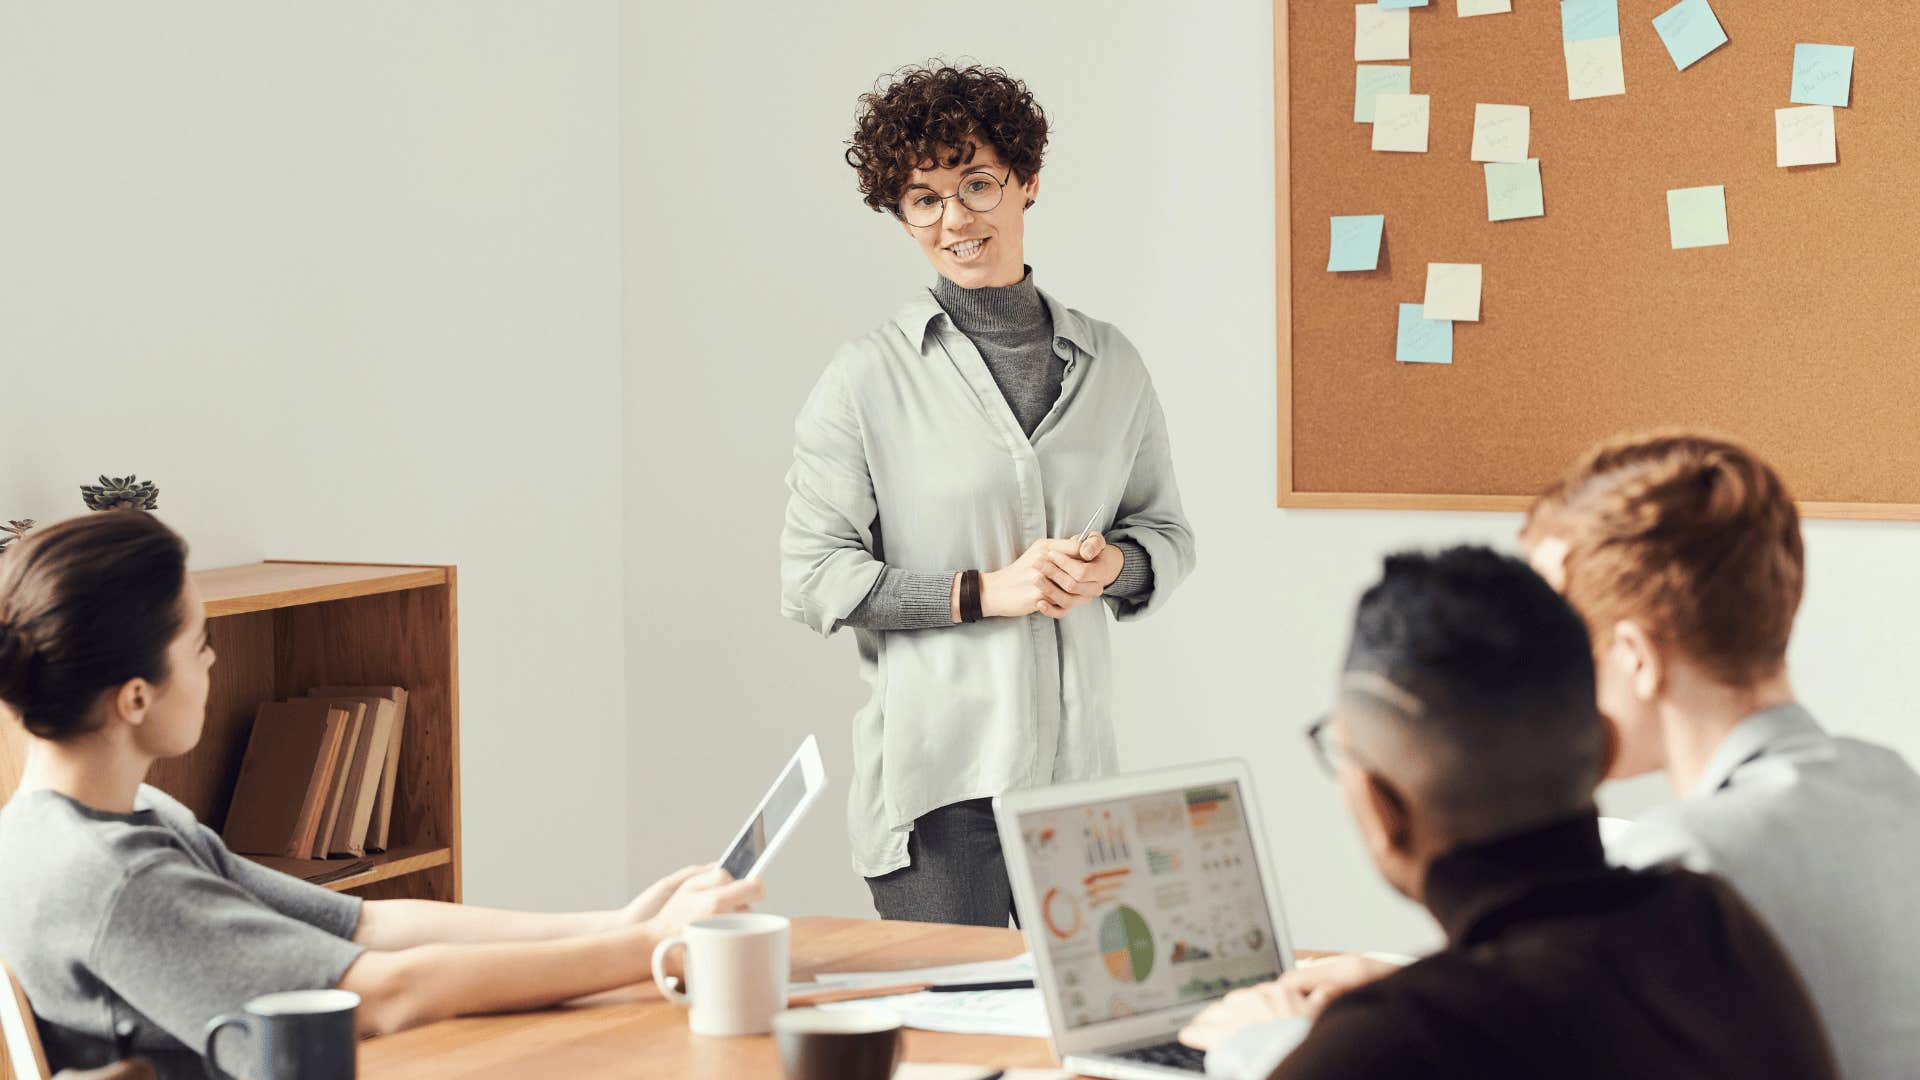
x: 23, y: 1052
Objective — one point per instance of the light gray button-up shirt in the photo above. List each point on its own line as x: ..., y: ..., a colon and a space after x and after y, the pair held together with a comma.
x: 906, y: 453
x: 1822, y: 837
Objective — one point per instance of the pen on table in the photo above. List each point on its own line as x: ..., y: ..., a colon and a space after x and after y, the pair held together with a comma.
x: 955, y: 988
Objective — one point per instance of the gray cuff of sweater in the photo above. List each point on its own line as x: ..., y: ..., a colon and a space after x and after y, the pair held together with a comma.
x: 1136, y: 572
x: 905, y: 600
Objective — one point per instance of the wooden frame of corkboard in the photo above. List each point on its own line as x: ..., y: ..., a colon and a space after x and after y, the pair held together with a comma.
x: 1801, y: 337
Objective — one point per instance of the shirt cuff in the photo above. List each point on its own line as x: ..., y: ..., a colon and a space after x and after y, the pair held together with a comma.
x: 1136, y: 571
x: 1254, y: 1053
x: 905, y: 600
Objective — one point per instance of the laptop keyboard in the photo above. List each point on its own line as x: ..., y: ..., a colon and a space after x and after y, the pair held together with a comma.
x: 1173, y: 1055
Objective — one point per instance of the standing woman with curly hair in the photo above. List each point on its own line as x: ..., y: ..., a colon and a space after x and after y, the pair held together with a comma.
x: 945, y: 467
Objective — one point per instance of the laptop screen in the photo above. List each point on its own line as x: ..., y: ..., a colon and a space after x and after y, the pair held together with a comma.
x: 1149, y: 901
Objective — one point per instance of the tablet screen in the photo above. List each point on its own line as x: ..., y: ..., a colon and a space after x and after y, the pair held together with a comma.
x: 788, y: 791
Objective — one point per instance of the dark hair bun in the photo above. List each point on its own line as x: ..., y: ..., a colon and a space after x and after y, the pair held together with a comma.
x: 16, y: 666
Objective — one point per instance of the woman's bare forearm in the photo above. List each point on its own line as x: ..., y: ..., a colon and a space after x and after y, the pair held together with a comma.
x: 419, y: 985
x: 387, y: 925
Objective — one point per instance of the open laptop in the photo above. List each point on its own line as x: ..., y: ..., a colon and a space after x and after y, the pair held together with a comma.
x: 1145, y: 898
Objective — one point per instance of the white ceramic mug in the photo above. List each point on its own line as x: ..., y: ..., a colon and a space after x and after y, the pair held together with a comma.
x: 736, y: 973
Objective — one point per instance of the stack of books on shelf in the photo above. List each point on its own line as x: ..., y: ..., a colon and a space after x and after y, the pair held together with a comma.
x: 317, y: 780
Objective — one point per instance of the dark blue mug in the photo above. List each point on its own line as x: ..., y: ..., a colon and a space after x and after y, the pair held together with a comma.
x: 297, y: 1035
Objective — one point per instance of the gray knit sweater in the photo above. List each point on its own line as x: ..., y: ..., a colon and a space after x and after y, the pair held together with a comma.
x: 1014, y: 333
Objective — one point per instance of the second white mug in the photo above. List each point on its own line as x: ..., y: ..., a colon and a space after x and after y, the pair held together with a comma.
x: 736, y: 973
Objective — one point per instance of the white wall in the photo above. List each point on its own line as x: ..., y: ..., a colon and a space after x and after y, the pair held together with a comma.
x: 343, y: 279
x: 749, y: 257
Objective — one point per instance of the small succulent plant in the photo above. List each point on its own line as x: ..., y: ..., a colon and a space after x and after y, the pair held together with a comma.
x: 14, y: 530
x: 121, y: 493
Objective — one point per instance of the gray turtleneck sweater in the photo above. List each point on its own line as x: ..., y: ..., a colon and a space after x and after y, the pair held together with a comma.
x: 1014, y: 333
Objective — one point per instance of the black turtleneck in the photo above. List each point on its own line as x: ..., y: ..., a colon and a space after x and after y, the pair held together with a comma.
x: 1560, y: 965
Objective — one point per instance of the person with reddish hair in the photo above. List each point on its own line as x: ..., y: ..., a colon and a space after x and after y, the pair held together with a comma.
x: 1682, y: 552
x: 968, y: 479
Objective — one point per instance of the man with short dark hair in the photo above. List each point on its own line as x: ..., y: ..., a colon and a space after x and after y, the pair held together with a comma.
x: 1467, y: 746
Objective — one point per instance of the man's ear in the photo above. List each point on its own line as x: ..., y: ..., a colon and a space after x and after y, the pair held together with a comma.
x: 1392, y: 815
x: 1634, y: 648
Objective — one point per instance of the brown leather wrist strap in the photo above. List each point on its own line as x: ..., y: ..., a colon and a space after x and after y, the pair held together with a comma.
x: 970, y: 596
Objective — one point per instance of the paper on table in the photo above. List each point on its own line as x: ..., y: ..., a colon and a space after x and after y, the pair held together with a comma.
x: 1513, y: 190
x: 1380, y: 33
x: 916, y: 1070
x: 1803, y: 135
x: 1453, y: 292
x: 1373, y: 79
x: 1423, y: 340
x: 1822, y: 74
x: 1595, y: 69
x: 1400, y: 122
x: 965, y: 1012
x: 1501, y: 132
x: 1690, y: 31
x: 1697, y: 217
x: 1485, y: 7
x: 1016, y: 967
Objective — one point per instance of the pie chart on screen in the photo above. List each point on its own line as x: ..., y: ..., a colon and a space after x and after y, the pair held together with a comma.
x: 1127, y: 945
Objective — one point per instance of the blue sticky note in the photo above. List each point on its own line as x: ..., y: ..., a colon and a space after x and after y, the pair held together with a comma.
x: 1589, y: 20
x: 1690, y: 31
x: 1822, y: 74
x: 1356, y: 242
x: 1389, y: 5
x: 1423, y: 340
x: 1513, y: 190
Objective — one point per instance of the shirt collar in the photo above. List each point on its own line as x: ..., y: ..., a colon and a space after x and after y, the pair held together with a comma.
x: 1476, y: 890
x: 1754, y: 737
x: 916, y: 319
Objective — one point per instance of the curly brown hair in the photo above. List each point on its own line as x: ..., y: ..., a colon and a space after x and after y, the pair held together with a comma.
x: 934, y: 116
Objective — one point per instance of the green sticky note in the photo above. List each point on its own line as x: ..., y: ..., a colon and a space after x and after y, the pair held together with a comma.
x: 1422, y: 340
x: 1370, y: 80
x: 1513, y: 190
x: 1356, y: 242
x: 1697, y: 217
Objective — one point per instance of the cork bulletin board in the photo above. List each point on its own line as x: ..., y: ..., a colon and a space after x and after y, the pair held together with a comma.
x: 1800, y: 336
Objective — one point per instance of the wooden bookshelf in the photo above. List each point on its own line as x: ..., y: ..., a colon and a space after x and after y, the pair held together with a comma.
x: 282, y: 627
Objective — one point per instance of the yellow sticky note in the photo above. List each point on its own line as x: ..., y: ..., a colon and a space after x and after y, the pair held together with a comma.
x: 1501, y: 132
x: 1381, y: 33
x: 1453, y: 292
x: 1594, y: 68
x: 1803, y: 135
x: 1400, y: 123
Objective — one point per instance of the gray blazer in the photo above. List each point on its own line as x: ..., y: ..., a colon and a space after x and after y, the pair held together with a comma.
x: 1822, y: 836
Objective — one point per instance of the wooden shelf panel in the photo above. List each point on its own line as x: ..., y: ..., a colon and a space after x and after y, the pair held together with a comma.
x: 236, y: 590
x: 343, y: 874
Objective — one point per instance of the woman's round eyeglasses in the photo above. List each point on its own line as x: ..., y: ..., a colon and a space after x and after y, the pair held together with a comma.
x: 978, y: 192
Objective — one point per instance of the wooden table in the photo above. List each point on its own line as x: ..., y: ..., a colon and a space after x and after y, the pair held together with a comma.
x: 633, y: 1032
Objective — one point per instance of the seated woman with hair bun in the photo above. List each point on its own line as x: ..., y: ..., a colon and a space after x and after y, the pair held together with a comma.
x: 119, y: 906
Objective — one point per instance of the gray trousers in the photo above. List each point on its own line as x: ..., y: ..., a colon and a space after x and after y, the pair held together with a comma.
x: 955, y: 873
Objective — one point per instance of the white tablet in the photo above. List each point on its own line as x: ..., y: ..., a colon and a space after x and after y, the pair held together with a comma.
x: 779, y: 811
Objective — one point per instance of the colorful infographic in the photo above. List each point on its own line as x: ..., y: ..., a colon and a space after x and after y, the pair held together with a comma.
x: 1159, y: 902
